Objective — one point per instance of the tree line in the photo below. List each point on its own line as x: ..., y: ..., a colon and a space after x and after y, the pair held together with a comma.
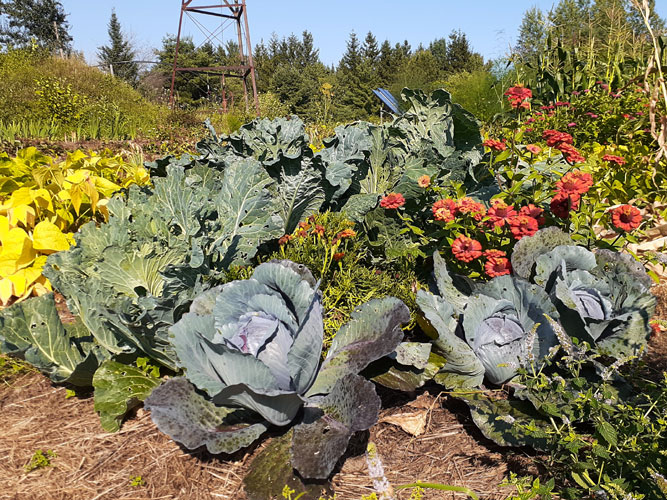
x: 290, y: 67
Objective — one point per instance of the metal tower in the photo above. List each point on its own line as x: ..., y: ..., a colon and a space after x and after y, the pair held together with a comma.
x: 231, y: 13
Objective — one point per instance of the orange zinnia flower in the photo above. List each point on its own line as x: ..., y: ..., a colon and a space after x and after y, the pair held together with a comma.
x: 575, y: 182
x: 497, y: 266
x: 392, y: 201
x: 626, y: 217
x: 466, y: 249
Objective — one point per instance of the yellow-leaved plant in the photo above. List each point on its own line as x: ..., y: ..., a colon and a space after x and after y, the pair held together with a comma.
x: 43, y: 202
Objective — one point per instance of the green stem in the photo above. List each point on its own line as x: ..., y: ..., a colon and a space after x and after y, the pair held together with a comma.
x: 442, y: 487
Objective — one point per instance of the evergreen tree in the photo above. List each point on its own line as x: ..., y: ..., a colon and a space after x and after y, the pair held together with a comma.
x: 308, y: 54
x: 119, y: 54
x: 385, y: 68
x: 353, y: 82
x: 438, y: 48
x: 460, y: 56
x: 370, y: 50
x: 532, y: 33
x: 42, y: 20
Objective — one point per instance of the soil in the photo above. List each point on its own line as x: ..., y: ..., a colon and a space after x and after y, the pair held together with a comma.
x: 90, y: 464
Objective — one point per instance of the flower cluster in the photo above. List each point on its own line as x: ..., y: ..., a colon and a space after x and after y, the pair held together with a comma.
x: 569, y: 188
x: 447, y: 210
x: 467, y: 249
x: 518, y: 97
x: 563, y: 142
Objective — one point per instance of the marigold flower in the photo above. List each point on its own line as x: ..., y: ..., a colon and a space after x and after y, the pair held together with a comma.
x: 500, y: 212
x: 284, y: 239
x: 626, y: 217
x: 522, y: 225
x: 392, y: 201
x: 562, y: 203
x: 424, y: 181
x: 495, y: 144
x: 497, y: 266
x: 493, y: 253
x: 570, y: 153
x: 534, y: 212
x: 302, y: 233
x: 338, y: 256
x: 618, y: 160
x: 466, y: 249
x: 575, y: 182
x: 319, y: 230
x: 533, y: 148
x: 554, y: 138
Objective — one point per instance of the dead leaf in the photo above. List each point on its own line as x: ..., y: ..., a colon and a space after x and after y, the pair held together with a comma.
x: 412, y: 423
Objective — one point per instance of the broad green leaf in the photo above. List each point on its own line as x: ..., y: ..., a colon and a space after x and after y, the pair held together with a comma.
x: 118, y: 389
x: 33, y: 329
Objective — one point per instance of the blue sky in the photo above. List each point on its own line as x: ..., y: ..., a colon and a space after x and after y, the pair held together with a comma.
x: 491, y: 25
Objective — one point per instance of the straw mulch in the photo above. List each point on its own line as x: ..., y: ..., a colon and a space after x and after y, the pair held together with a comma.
x: 91, y: 464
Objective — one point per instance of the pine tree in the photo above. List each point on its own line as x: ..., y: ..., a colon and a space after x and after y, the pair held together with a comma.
x: 460, y: 57
x: 370, y: 50
x: 386, y: 69
x: 438, y: 48
x: 532, y: 33
x: 44, y: 21
x: 308, y: 53
x: 119, y: 55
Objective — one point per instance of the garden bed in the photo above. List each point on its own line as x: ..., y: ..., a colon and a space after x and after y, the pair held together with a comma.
x: 95, y: 465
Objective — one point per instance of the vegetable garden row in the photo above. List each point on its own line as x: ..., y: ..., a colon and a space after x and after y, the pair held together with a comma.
x: 267, y: 285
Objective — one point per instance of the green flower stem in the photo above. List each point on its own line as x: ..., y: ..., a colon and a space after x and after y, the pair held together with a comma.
x: 442, y: 487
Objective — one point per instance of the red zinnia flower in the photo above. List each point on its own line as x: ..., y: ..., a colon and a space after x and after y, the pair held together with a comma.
x: 618, y: 160
x: 534, y: 212
x: 575, y: 182
x: 495, y: 144
x: 392, y: 201
x: 562, y: 203
x: 497, y: 266
x: 533, y: 149
x: 518, y: 95
x: 466, y: 249
x: 424, y: 181
x: 522, y: 225
x: 494, y: 254
x: 626, y: 217
x: 570, y: 153
x: 554, y: 138
x: 500, y: 212
x: 467, y: 205
x: 444, y: 210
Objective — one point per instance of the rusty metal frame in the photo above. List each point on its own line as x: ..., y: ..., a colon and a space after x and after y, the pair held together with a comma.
x: 238, y: 13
